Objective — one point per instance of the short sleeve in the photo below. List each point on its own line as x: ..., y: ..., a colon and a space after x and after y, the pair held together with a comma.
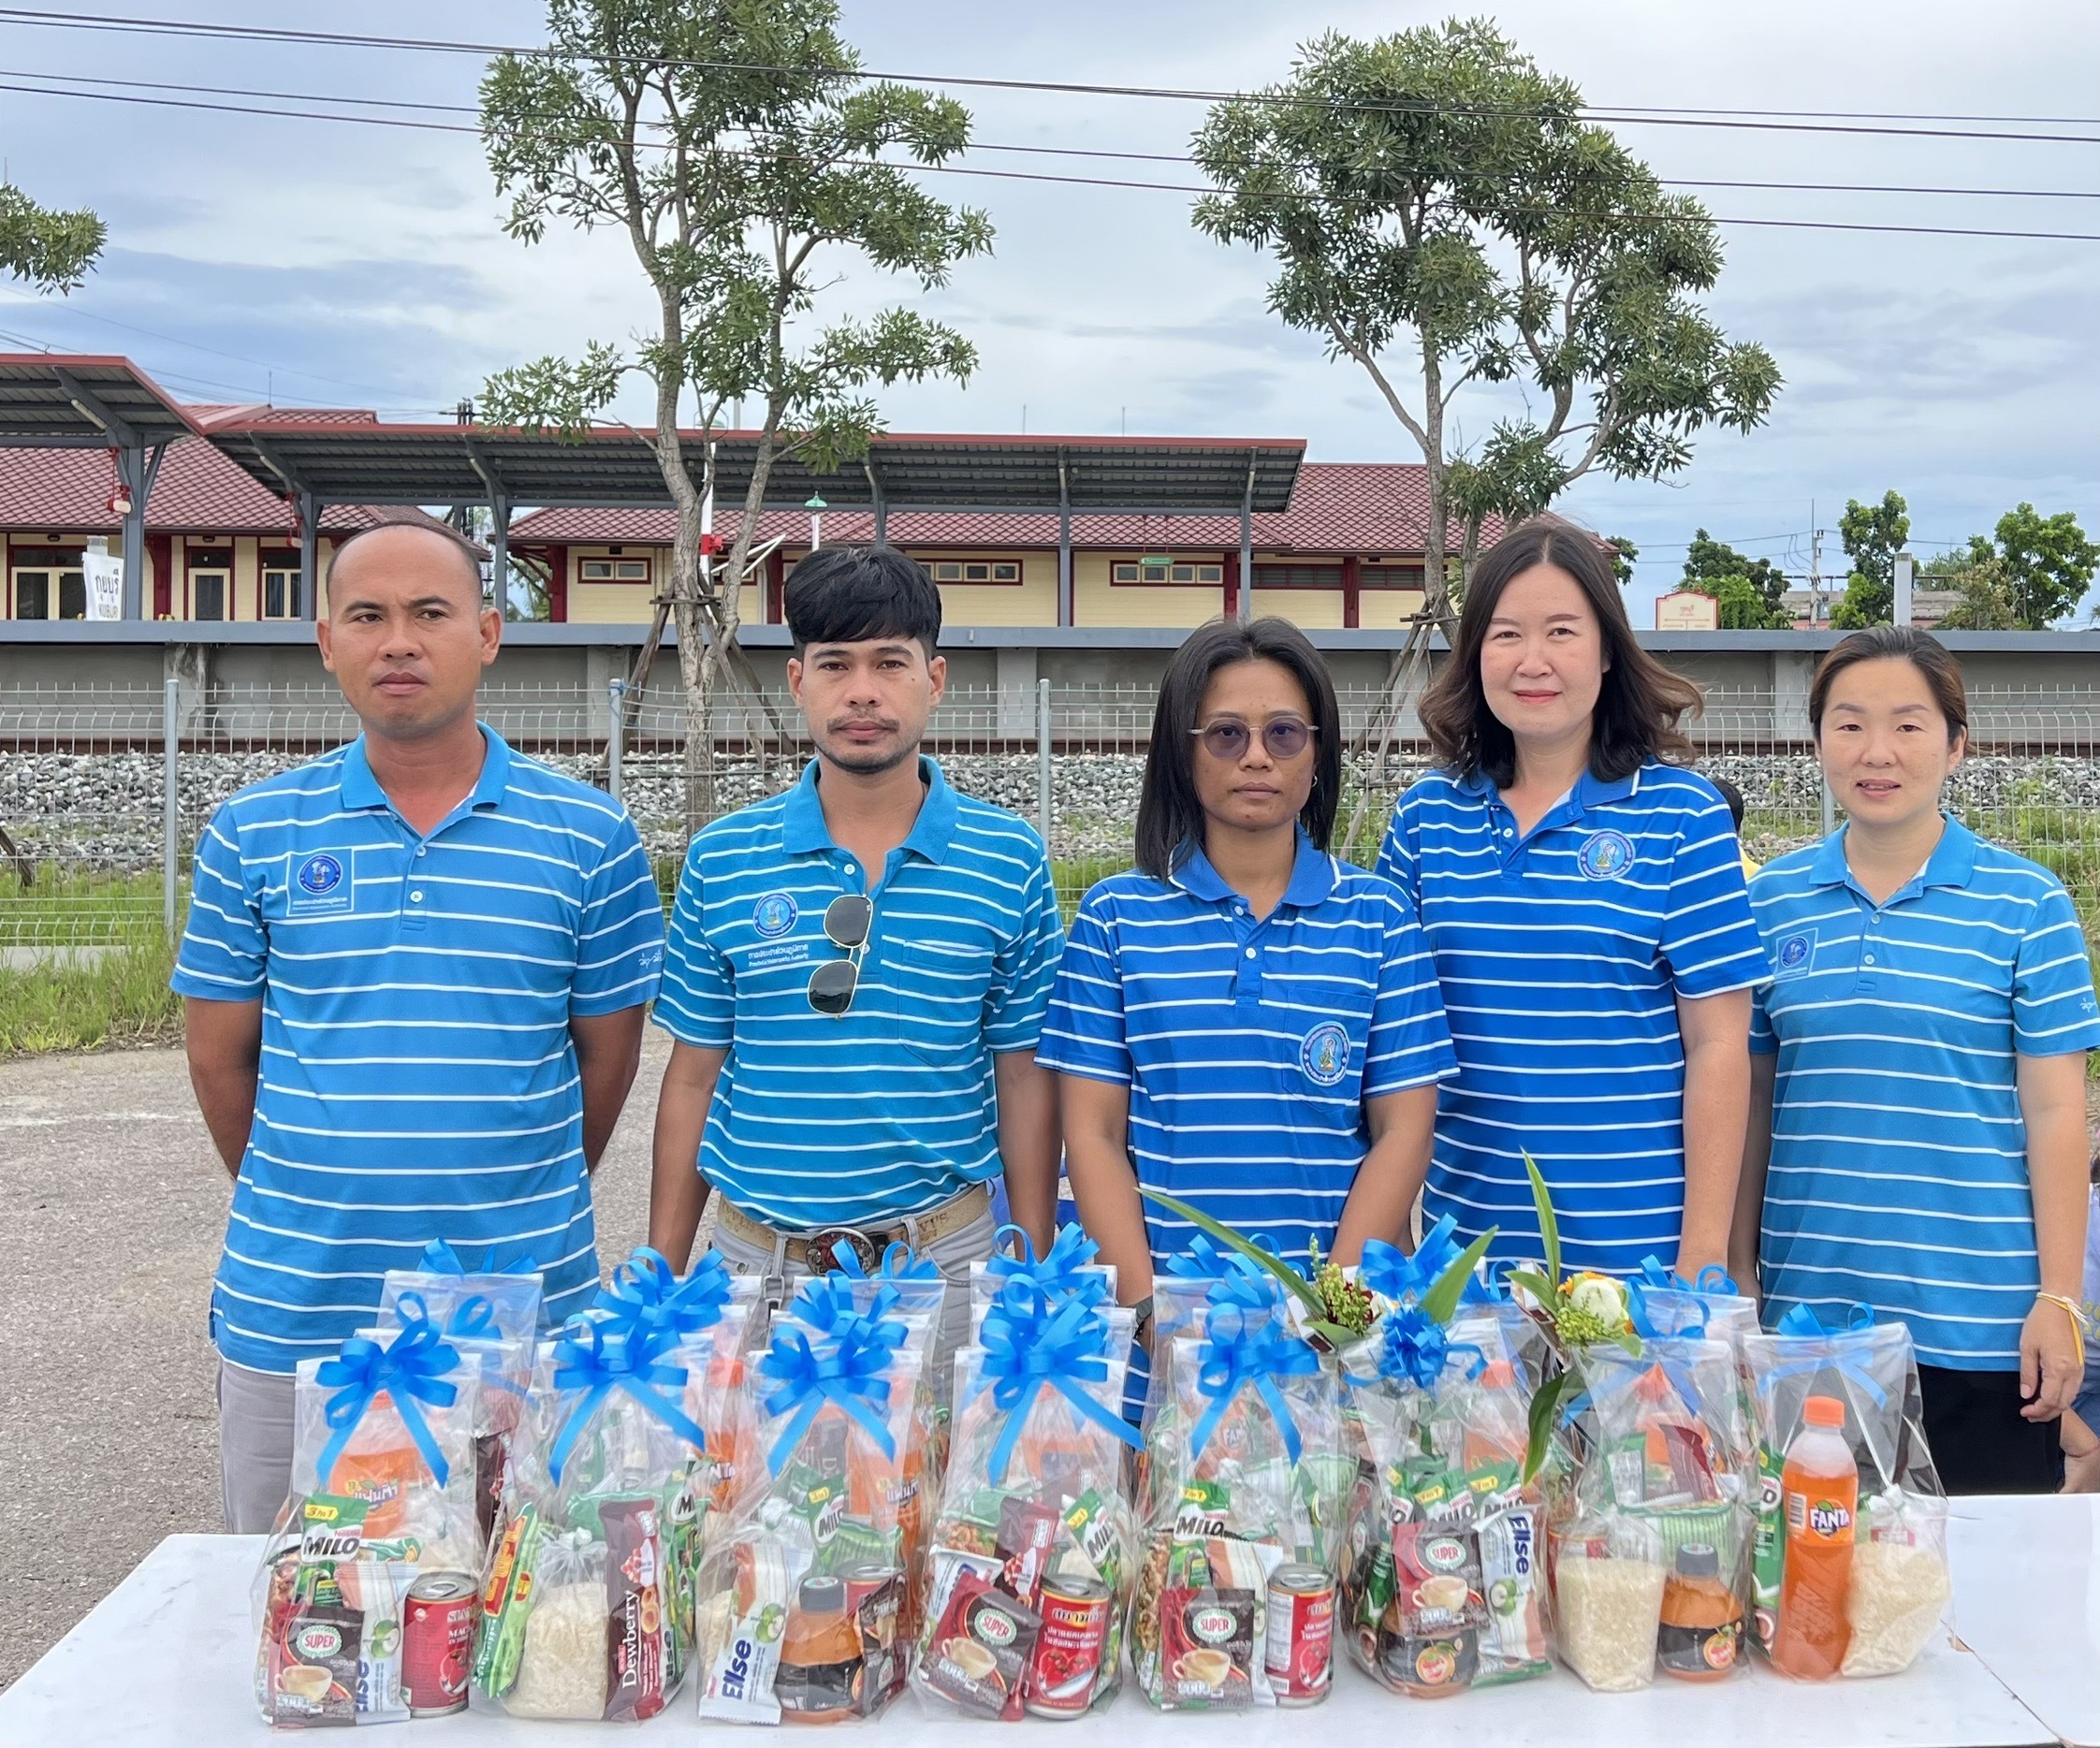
x: 1764, y: 1041
x: 225, y: 953
x: 1026, y: 969
x: 1083, y: 1032
x: 1709, y: 939
x: 697, y: 1001
x: 620, y: 941
x: 2053, y: 1008
x: 1396, y: 856
x: 1409, y: 1044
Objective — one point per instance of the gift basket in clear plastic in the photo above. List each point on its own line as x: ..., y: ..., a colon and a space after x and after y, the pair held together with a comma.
x: 1245, y: 1483
x: 1850, y: 1571
x: 383, y: 1505
x: 1067, y: 1270
x: 809, y: 1596
x: 588, y: 1597
x: 1031, y: 1565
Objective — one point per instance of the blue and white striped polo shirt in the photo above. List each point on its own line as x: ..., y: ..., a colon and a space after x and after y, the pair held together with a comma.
x: 417, y: 1078
x: 1899, y: 1156
x: 1248, y: 1046
x: 889, y: 1109
x: 1561, y: 955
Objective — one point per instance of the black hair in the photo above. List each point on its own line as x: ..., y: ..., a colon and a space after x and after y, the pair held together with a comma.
x: 1940, y: 671
x: 1170, y: 817
x: 1732, y: 795
x: 1638, y: 705
x: 851, y: 594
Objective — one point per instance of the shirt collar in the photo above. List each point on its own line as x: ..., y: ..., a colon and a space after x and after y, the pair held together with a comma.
x: 360, y: 788
x: 1952, y: 862
x: 1312, y: 876
x: 803, y: 831
x: 1590, y: 790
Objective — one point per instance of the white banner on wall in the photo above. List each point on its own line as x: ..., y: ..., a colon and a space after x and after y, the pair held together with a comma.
x: 105, y: 580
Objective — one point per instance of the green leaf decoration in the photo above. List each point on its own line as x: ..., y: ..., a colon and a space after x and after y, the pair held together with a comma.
x: 1442, y: 1301
x: 1544, y: 1406
x: 1549, y: 1229
x: 1290, y: 1277
x: 1535, y: 1284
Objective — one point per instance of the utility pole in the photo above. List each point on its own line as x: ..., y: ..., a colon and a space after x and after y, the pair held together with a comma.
x: 1818, y: 612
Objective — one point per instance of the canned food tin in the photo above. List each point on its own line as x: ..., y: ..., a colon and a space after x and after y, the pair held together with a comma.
x: 862, y: 1580
x: 1070, y: 1649
x: 437, y: 1643
x: 1300, y: 1647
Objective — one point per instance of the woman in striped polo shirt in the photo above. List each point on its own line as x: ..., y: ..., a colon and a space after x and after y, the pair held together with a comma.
x: 1244, y: 1021
x: 1584, y: 897
x: 1917, y: 1121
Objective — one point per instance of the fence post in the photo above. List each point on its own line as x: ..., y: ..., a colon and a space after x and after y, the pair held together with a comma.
x: 171, y: 823
x: 1829, y: 810
x: 1042, y: 759
x: 616, y: 732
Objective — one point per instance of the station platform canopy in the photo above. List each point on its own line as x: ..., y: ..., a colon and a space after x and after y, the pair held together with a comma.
x: 59, y: 400
x: 470, y: 463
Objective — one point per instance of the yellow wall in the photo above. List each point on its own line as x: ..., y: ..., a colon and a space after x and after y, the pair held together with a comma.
x: 1310, y: 609
x: 1032, y: 600
x: 1097, y: 602
x: 1387, y: 609
x: 632, y: 604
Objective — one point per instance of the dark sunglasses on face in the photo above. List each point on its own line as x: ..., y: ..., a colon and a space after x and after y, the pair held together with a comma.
x: 846, y: 923
x: 1285, y: 736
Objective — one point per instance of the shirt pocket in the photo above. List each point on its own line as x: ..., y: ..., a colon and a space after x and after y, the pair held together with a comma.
x: 1330, y: 1017
x: 937, y: 999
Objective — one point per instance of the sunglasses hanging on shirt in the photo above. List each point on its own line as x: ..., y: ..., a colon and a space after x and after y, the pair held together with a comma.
x: 1285, y: 736
x: 847, y: 921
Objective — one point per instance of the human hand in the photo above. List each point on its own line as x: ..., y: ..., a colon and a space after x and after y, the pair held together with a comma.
x: 2050, y: 1367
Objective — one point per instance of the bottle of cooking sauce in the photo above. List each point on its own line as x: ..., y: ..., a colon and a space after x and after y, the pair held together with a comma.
x: 1820, y: 1487
x: 819, y: 1677
x: 1701, y: 1636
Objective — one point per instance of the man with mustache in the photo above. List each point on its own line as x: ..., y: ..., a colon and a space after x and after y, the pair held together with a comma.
x: 414, y: 977
x: 856, y: 977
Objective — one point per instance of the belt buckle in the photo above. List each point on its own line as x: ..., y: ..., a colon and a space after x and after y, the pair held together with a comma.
x: 823, y: 1243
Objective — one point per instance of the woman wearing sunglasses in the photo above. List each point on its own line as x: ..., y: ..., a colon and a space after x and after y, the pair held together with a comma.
x: 1584, y: 897
x: 1244, y: 1021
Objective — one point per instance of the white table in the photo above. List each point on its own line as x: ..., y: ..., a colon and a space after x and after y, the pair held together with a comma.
x: 164, y: 1662
x: 2027, y: 1602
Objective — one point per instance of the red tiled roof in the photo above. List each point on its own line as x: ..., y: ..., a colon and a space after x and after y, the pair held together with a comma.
x: 1364, y: 507
x: 197, y: 490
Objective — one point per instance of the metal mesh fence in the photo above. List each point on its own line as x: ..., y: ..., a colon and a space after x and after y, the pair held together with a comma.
x: 85, y: 824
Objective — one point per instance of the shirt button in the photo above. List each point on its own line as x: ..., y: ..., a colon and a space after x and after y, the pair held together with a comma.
x: 1870, y: 958
x: 416, y: 897
x: 422, y: 850
x: 1250, y: 952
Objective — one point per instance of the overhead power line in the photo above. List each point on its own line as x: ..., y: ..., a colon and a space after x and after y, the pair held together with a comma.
x: 1825, y: 121
x: 1044, y: 176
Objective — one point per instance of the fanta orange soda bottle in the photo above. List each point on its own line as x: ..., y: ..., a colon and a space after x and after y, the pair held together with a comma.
x: 1820, y: 1486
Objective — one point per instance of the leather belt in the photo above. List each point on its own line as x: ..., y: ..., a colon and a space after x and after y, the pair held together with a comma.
x: 813, y: 1250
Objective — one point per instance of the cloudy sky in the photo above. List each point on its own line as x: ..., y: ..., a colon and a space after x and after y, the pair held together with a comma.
x: 319, y: 262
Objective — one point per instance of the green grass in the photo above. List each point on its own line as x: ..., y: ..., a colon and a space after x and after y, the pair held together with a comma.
x: 65, y: 908
x: 112, y: 1000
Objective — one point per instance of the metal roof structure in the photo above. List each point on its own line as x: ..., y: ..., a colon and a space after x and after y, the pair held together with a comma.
x: 58, y: 400
x: 461, y: 463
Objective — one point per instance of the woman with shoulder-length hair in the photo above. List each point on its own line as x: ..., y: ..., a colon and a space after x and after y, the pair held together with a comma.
x: 1244, y: 1021
x: 1583, y: 898
x: 1917, y: 1079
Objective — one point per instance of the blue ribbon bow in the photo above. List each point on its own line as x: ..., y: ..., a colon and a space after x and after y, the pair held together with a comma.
x: 1643, y: 1320
x: 848, y: 1368
x: 1063, y: 1270
x: 1713, y: 1280
x: 645, y: 1293
x: 472, y: 1319
x: 1029, y: 1348
x: 1201, y: 1261
x: 832, y: 1304
x: 415, y: 1367
x: 1242, y: 1348
x: 899, y: 1262
x: 1414, y: 1348
x: 439, y: 1258
x: 1390, y: 1271
x: 1801, y: 1323
x: 593, y: 1359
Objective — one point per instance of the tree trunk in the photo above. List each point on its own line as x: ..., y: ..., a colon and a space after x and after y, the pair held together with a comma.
x: 691, y: 610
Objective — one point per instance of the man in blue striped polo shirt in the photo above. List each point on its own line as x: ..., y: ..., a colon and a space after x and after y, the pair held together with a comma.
x: 856, y: 976
x: 415, y: 974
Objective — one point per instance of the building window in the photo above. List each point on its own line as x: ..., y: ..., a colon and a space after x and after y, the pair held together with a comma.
x: 1297, y: 577
x: 1390, y: 576
x: 615, y: 571
x: 280, y: 585
x: 1164, y: 572
x: 38, y: 591
x: 975, y: 571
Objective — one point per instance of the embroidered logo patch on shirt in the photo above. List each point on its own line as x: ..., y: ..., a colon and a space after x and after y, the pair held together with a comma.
x: 1605, y: 855
x: 319, y: 884
x: 774, y: 914
x: 1324, y: 1055
x: 1793, y: 957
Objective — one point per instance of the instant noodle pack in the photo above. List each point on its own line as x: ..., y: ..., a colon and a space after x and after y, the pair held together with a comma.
x: 680, y: 1500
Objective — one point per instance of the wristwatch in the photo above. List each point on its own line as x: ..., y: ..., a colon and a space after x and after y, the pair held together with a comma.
x: 1143, y: 1307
